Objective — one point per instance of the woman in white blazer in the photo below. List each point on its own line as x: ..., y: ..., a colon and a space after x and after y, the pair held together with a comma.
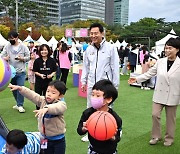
x: 167, y: 91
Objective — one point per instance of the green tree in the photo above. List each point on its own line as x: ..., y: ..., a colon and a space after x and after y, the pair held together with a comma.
x: 23, y: 33
x: 6, y: 5
x: 40, y: 16
x: 4, y: 30
x: 7, y: 21
x: 56, y: 31
x: 27, y: 11
x: 45, y: 32
x: 138, y: 32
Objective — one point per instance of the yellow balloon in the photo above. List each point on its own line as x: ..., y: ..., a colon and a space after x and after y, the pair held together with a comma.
x: 2, y: 69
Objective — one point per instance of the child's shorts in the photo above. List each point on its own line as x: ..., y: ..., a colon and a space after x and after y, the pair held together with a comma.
x: 31, y: 78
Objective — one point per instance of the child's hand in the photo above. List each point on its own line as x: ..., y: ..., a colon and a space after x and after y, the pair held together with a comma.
x: 14, y: 87
x: 132, y: 80
x: 114, y: 137
x: 84, y: 128
x: 40, y: 113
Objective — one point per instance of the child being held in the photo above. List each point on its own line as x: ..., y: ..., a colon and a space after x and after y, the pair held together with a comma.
x: 105, y: 94
x: 51, y: 122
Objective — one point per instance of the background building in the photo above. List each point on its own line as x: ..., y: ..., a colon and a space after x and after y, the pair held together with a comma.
x: 109, y: 12
x: 121, y: 11
x: 72, y: 10
x: 53, y: 10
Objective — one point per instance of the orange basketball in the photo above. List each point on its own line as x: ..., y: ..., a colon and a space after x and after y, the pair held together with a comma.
x: 101, y: 125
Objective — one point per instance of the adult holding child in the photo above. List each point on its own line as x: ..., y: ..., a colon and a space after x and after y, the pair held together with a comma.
x: 166, y: 93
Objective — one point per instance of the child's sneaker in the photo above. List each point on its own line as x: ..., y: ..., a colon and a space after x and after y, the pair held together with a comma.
x: 142, y: 87
x: 21, y: 109
x: 146, y: 88
x: 85, y: 138
x: 15, y: 107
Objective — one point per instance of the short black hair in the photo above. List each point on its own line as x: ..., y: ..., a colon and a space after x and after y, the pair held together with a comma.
x: 31, y: 42
x: 133, y: 47
x: 12, y: 34
x: 174, y: 42
x: 41, y: 49
x: 108, y: 88
x: 17, y: 138
x: 101, y: 29
x: 59, y: 85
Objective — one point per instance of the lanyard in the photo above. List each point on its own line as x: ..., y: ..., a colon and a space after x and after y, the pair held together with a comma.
x: 43, y: 125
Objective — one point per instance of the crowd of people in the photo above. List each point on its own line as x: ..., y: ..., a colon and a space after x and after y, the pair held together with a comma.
x: 101, y: 76
x: 137, y: 59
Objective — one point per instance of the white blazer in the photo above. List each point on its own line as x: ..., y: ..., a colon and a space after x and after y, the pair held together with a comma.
x: 167, y: 89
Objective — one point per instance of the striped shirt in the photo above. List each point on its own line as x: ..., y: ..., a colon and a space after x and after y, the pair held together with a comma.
x: 32, y: 147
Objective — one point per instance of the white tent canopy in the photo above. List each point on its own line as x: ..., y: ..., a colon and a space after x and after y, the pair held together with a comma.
x: 19, y: 41
x: 160, y: 44
x: 3, y: 41
x: 28, y: 39
x: 41, y: 40
x: 64, y: 40
x: 124, y: 43
x: 117, y: 44
x: 111, y: 42
x: 53, y: 43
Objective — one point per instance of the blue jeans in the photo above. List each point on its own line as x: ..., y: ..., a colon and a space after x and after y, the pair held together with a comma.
x: 58, y: 73
x: 56, y: 146
x: 19, y: 80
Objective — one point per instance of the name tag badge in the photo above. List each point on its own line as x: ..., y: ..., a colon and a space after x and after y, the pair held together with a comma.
x: 44, y: 143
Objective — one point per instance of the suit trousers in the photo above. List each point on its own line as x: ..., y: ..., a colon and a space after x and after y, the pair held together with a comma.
x: 170, y: 121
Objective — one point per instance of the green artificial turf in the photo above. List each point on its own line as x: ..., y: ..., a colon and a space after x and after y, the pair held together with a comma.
x: 133, y: 105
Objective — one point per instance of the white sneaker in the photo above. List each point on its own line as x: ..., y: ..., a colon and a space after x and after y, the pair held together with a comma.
x: 85, y: 138
x: 15, y: 107
x: 21, y: 109
x: 142, y: 87
x: 146, y: 88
